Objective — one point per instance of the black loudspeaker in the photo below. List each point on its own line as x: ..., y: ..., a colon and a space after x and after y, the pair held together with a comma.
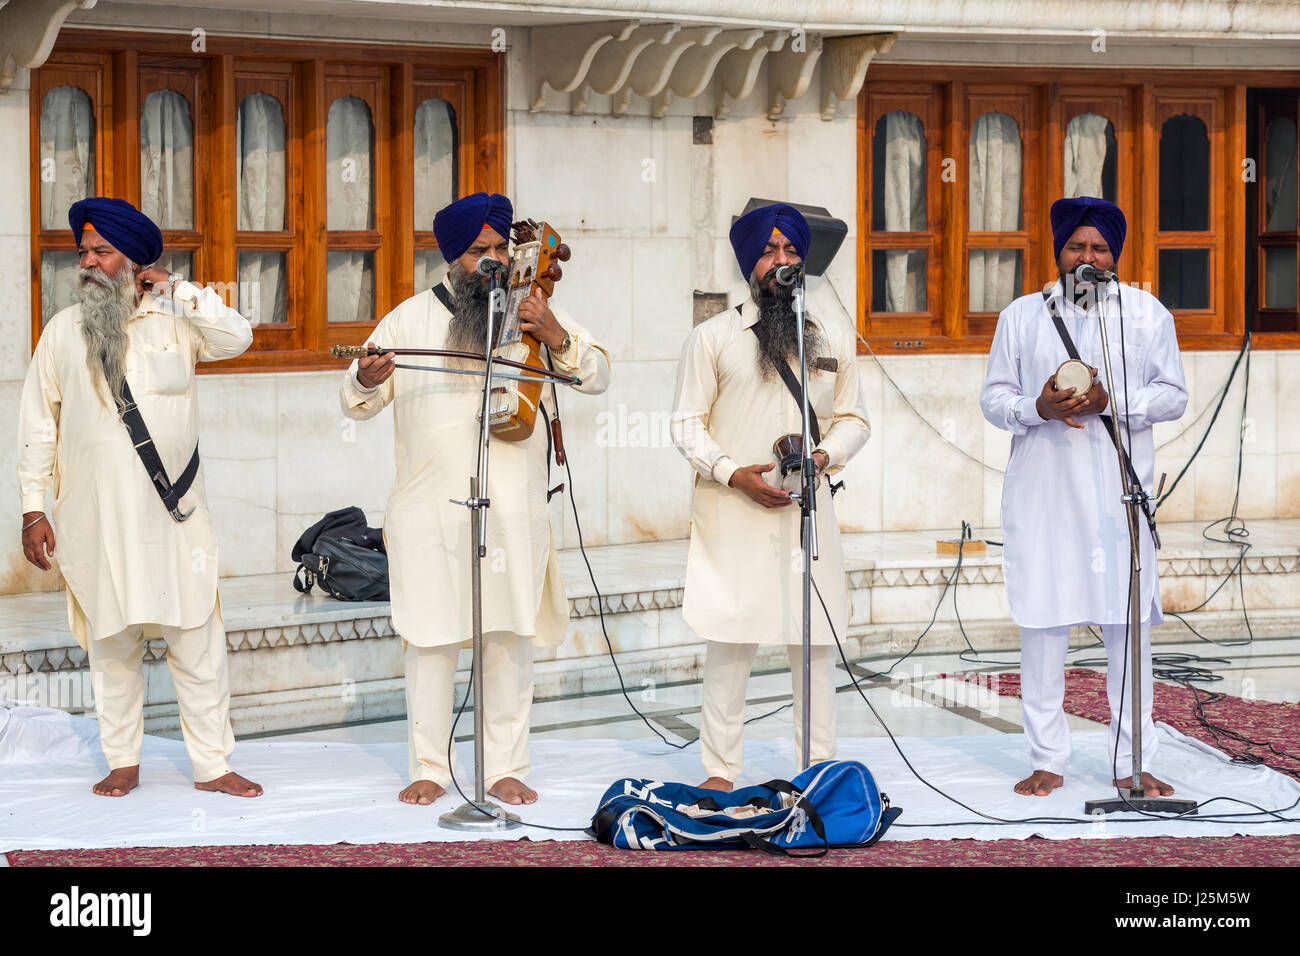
x: 827, y: 233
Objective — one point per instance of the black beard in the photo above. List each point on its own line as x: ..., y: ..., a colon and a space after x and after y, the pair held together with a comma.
x: 1083, y: 294
x: 467, y: 331
x: 778, y: 339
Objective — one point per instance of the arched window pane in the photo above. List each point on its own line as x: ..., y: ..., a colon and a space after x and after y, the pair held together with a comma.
x: 995, y: 174
x: 898, y: 280
x: 349, y: 141
x: 435, y: 160
x: 263, y: 287
x: 430, y: 267
x: 259, y: 145
x: 898, y: 174
x: 67, y: 153
x: 1280, y: 175
x: 58, y: 282
x: 1090, y: 157
x: 167, y: 161
x: 1184, y: 175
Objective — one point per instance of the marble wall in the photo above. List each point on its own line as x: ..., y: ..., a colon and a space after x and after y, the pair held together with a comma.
x: 646, y: 210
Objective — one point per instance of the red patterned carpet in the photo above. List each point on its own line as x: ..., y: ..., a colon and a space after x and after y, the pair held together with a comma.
x: 1126, y: 851
x: 1263, y: 721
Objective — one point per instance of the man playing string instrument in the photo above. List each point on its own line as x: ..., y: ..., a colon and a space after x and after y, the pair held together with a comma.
x: 744, y: 568
x: 132, y: 571
x: 1066, y: 555
x: 428, y: 536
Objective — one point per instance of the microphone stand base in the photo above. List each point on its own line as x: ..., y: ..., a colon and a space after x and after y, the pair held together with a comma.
x: 469, y: 817
x: 1138, y: 800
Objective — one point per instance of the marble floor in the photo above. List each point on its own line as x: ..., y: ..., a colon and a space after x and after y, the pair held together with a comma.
x: 913, y: 700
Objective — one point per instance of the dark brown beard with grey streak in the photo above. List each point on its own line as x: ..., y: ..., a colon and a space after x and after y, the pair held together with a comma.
x: 467, y: 330
x: 778, y: 339
x: 106, y: 304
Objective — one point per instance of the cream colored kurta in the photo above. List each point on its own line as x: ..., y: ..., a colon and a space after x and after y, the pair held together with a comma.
x: 744, y: 569
x: 124, y: 559
x: 436, y: 431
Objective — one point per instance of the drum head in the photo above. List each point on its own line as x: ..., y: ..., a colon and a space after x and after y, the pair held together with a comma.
x: 1074, y: 374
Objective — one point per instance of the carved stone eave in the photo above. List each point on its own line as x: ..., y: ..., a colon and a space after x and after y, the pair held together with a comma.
x: 27, y: 32
x: 551, y: 54
x: 790, y: 72
x: 844, y: 66
x: 738, y: 71
x: 612, y: 65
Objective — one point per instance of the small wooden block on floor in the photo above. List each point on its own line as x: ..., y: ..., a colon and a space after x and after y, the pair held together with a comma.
x: 953, y: 545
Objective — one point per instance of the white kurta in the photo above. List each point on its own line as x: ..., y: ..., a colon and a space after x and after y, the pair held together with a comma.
x: 1066, y: 549
x: 744, y: 567
x: 124, y: 559
x: 428, y: 537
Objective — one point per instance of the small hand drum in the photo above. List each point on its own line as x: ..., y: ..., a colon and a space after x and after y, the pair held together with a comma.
x: 788, y: 450
x: 1074, y: 374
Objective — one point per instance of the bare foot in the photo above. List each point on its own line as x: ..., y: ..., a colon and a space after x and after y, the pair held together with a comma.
x: 231, y: 783
x: 119, y: 782
x: 1039, y: 783
x: 1150, y: 785
x: 423, y: 792
x: 512, y: 791
x: 718, y: 783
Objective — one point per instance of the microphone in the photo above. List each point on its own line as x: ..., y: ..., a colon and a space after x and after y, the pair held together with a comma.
x: 1086, y: 273
x: 788, y: 275
x: 488, y: 266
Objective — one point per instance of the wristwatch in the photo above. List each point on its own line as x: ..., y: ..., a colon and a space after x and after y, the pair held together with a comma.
x: 172, y: 279
x: 566, y: 344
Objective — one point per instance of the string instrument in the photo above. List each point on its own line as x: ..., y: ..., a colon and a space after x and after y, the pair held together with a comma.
x: 534, y: 268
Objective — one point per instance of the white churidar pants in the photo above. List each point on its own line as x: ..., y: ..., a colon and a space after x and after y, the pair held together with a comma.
x: 722, y: 716
x: 507, y: 700
x: 196, y: 657
x: 1042, y: 689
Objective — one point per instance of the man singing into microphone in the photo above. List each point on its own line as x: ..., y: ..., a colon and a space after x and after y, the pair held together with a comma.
x: 428, y: 535
x: 1066, y: 555
x: 744, y: 569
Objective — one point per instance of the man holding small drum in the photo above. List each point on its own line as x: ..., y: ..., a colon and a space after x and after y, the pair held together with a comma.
x: 1066, y: 554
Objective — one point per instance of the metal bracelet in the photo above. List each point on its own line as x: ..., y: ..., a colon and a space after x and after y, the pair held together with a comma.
x: 34, y: 523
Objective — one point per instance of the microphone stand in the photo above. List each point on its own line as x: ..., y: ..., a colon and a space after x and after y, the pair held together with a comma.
x: 808, y: 527
x: 1134, y: 498
x: 481, y: 815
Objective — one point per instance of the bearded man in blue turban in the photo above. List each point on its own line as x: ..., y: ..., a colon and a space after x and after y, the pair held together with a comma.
x: 136, y: 545
x: 744, y: 572
x: 1065, y: 532
x: 436, y: 429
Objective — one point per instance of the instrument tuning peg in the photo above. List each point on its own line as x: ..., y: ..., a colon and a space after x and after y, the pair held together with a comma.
x: 554, y: 272
x: 562, y: 252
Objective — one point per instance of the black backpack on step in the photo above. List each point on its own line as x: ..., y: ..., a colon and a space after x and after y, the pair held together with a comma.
x: 345, y: 556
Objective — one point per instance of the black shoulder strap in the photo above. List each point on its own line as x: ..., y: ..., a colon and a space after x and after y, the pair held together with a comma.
x: 170, y: 494
x: 444, y: 297
x: 792, y: 383
x: 1073, y: 352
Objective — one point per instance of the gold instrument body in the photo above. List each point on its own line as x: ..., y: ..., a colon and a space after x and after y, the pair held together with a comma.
x: 534, y: 268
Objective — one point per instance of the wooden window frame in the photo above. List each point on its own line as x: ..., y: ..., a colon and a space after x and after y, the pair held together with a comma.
x: 216, y: 82
x: 1132, y: 100
x: 1269, y: 106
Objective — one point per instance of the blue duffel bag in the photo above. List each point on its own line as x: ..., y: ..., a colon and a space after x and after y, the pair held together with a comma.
x: 834, y: 803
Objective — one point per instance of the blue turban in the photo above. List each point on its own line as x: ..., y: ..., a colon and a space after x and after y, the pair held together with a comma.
x: 457, y: 226
x: 124, y: 227
x: 751, y: 232
x: 1107, y: 218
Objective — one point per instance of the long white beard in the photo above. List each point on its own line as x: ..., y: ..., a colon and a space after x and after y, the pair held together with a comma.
x: 107, y: 302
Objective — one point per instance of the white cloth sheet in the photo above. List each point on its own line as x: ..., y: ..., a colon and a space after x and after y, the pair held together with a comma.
x: 324, y: 793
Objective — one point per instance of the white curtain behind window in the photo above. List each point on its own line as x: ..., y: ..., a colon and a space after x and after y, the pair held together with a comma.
x: 260, y: 146
x: 167, y: 160
x: 430, y: 267
x: 1085, y: 155
x: 904, y: 209
x: 348, y: 141
x: 435, y: 160
x: 995, y: 189
x: 67, y: 153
